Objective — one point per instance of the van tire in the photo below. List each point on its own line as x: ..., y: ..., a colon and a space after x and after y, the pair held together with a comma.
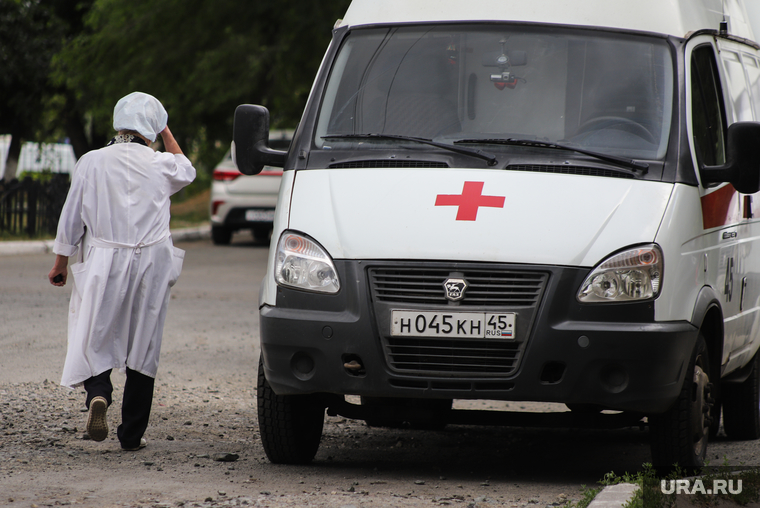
x: 221, y: 235
x: 680, y: 435
x: 741, y: 406
x: 290, y: 425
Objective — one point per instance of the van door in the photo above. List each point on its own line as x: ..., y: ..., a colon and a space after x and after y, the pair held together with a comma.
x: 721, y: 212
x: 742, y: 77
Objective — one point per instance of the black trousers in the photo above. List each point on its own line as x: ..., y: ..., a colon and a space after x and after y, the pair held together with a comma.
x: 135, y: 406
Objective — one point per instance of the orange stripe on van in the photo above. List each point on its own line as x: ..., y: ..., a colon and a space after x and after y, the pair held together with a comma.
x: 720, y: 207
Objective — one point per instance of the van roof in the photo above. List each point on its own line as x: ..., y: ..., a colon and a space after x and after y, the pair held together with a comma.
x: 671, y: 17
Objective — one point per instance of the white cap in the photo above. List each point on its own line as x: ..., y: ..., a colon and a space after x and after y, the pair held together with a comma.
x: 141, y: 113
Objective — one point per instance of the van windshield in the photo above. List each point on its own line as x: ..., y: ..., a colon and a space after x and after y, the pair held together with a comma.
x: 601, y: 91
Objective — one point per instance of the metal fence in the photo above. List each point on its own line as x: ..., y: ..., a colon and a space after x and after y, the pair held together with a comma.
x: 31, y: 207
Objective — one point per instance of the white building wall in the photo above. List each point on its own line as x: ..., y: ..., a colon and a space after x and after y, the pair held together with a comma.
x: 37, y: 157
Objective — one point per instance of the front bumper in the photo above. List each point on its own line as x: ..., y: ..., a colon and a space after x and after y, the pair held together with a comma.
x: 611, y: 356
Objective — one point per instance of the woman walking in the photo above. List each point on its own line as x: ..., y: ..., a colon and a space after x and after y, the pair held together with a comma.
x: 116, y: 221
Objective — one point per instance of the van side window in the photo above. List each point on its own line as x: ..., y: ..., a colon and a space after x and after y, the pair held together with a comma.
x: 753, y: 74
x: 737, y: 85
x: 708, y: 124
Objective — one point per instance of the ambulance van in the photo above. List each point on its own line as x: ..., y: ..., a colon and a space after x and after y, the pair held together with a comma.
x: 544, y: 201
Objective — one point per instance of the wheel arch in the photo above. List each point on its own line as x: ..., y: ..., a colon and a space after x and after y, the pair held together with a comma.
x: 708, y: 318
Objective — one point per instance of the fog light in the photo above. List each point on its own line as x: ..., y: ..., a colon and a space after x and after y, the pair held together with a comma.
x: 302, y: 366
x: 614, y: 378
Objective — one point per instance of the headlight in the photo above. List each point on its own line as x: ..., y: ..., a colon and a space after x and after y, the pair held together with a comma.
x: 632, y: 275
x: 302, y: 263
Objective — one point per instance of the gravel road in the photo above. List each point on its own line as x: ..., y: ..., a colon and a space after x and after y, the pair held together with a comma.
x: 203, y: 446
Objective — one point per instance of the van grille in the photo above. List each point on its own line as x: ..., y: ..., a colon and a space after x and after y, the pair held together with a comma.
x: 486, y: 288
x: 427, y: 355
x: 492, y: 288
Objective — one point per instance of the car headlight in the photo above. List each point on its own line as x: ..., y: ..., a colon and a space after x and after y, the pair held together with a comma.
x: 631, y: 275
x: 303, y: 264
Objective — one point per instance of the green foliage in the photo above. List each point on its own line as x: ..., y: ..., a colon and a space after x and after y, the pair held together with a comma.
x: 44, y: 176
x: 29, y: 36
x: 67, y: 62
x: 201, y: 59
x: 588, y: 494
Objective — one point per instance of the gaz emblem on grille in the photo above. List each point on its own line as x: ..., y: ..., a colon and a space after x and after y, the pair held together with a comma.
x: 455, y: 289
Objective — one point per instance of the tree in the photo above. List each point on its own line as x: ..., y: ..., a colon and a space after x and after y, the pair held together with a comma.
x: 201, y: 59
x: 32, y: 108
x: 28, y: 40
x: 64, y: 112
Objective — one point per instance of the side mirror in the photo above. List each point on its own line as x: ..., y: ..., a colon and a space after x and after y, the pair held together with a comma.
x: 742, y: 168
x: 250, y: 140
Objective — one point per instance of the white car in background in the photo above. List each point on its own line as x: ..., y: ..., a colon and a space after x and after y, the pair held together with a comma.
x: 240, y: 201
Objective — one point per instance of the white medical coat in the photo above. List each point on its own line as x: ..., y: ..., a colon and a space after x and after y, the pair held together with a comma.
x: 116, y: 218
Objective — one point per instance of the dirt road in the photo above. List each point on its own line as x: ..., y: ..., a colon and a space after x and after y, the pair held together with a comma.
x: 203, y: 444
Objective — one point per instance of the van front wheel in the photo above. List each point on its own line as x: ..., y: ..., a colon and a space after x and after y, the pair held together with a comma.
x: 290, y: 425
x: 680, y: 434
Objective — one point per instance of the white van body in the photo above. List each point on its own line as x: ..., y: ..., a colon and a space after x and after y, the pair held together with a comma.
x: 579, y: 228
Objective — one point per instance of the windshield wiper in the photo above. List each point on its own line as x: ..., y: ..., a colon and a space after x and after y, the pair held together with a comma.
x: 622, y: 161
x: 490, y: 158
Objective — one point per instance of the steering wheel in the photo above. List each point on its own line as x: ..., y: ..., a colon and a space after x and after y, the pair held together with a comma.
x: 635, y: 127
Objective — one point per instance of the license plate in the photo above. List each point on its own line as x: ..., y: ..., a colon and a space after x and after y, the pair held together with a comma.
x: 259, y: 215
x: 482, y: 325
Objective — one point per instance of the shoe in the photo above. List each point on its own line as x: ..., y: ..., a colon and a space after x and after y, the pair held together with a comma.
x: 97, y: 424
x: 143, y: 444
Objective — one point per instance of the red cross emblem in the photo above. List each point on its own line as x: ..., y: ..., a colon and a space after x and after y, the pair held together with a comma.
x: 469, y: 201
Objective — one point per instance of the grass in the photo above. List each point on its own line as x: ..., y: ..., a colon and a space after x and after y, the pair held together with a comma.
x: 6, y: 236
x: 192, y: 211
